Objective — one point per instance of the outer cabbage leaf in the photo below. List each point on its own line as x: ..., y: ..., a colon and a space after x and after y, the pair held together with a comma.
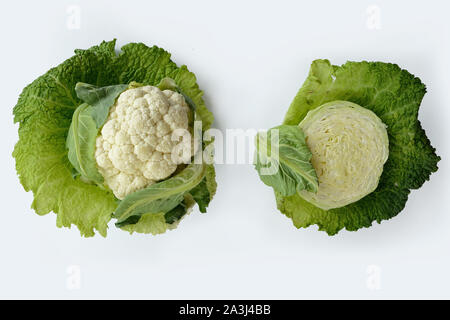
x: 160, y: 197
x: 289, y: 156
x: 157, y: 223
x: 203, y: 193
x: 394, y: 95
x: 176, y: 213
x: 150, y: 223
x: 44, y: 112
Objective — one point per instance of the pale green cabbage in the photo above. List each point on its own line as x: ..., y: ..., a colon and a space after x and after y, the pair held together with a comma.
x: 394, y: 95
x: 349, y: 146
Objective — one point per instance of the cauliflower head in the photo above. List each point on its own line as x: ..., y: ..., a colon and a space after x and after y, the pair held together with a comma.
x: 136, y: 146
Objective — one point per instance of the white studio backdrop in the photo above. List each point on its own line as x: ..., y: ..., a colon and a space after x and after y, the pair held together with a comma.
x: 250, y: 58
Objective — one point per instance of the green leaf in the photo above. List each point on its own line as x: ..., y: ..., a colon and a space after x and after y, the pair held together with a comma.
x: 150, y: 223
x: 100, y: 98
x: 162, y: 196
x: 211, y: 183
x: 84, y: 129
x: 44, y: 112
x: 81, y: 144
x: 201, y: 195
x: 283, y: 160
x: 167, y: 84
x: 175, y: 214
x: 171, y: 216
x: 394, y: 95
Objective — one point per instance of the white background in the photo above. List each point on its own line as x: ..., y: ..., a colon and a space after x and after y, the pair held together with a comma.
x: 250, y: 58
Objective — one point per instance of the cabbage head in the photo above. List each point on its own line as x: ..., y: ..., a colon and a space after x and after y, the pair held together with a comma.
x: 357, y: 126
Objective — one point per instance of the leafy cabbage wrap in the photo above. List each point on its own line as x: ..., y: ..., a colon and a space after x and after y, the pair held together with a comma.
x: 394, y: 96
x: 54, y: 155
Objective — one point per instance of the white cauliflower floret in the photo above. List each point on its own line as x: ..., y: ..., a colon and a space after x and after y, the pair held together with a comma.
x: 134, y: 148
